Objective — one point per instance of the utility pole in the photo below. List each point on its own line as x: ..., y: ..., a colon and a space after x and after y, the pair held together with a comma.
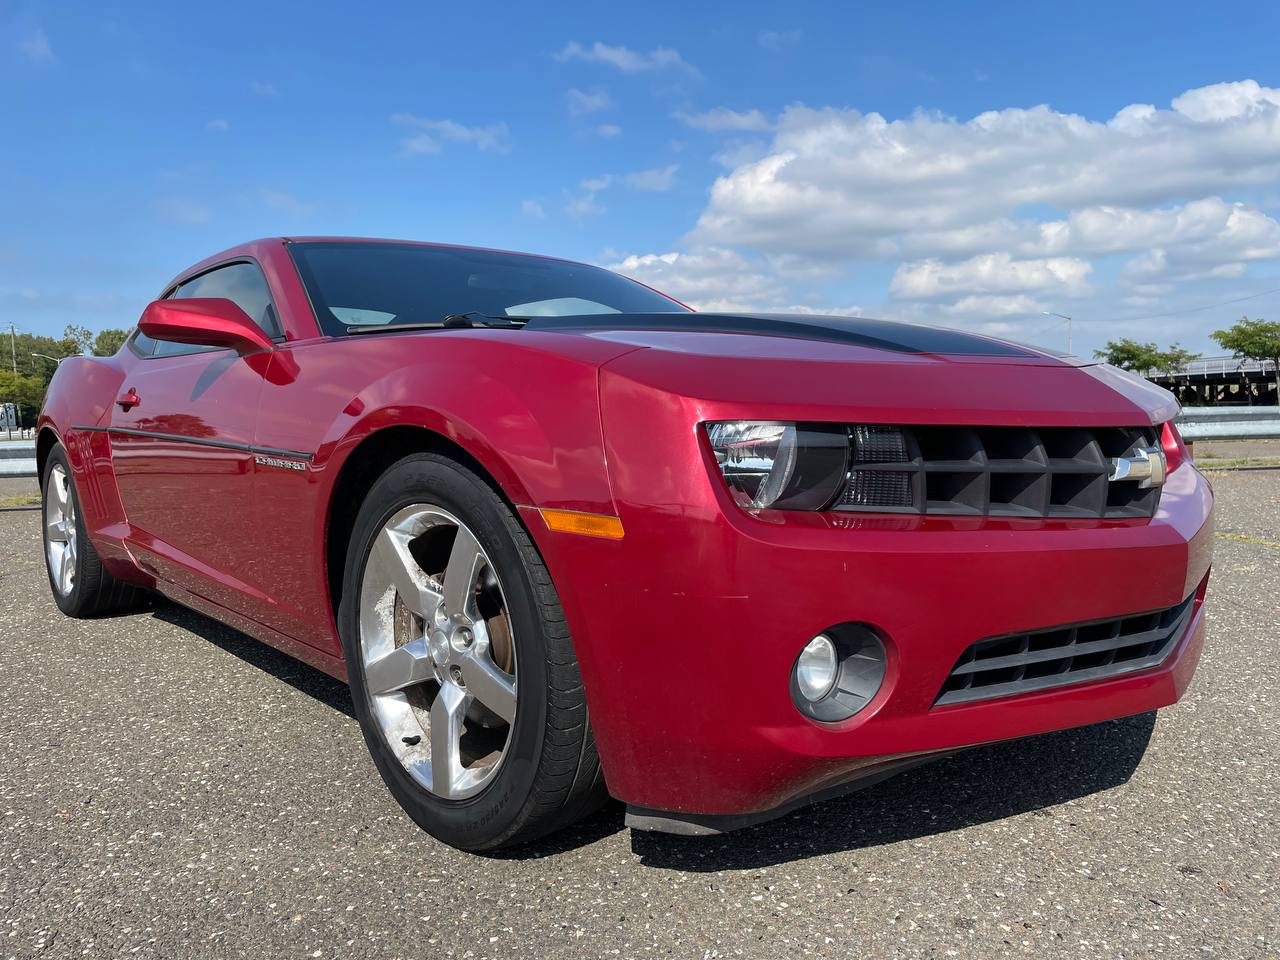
x: 1061, y: 316
x: 13, y: 356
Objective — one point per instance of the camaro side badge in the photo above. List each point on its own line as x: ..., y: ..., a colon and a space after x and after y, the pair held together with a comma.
x: 1147, y: 466
x: 264, y: 461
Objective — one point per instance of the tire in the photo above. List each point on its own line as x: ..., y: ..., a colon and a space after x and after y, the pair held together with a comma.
x: 417, y: 650
x: 80, y: 585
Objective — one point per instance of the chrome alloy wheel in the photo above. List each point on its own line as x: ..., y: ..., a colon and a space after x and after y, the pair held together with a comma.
x: 60, y: 530
x: 438, y: 651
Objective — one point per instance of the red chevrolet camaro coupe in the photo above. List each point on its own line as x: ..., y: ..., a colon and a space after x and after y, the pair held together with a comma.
x: 564, y: 536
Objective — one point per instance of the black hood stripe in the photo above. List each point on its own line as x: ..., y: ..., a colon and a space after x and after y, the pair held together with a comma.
x: 876, y: 334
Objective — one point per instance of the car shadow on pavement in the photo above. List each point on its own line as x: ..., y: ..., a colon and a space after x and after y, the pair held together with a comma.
x: 975, y: 786
x: 301, y: 676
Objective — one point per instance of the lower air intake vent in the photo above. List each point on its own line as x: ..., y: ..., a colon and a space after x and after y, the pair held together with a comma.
x: 1026, y: 662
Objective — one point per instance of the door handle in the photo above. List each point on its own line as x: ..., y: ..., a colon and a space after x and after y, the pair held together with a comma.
x: 129, y: 400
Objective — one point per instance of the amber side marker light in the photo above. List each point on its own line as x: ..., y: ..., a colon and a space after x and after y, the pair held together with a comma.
x: 586, y: 524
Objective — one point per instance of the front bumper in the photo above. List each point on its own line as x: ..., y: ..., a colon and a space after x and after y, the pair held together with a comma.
x: 686, y: 631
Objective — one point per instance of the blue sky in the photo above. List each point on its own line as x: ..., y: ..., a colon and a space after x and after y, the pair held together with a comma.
x: 961, y: 165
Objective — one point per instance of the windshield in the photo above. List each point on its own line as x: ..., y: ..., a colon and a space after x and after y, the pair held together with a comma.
x: 374, y: 284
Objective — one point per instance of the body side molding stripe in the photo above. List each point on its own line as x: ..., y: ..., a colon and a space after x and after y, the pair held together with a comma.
x: 201, y: 441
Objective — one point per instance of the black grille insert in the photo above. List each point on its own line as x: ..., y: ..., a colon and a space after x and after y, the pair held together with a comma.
x: 1024, y: 662
x: 995, y: 471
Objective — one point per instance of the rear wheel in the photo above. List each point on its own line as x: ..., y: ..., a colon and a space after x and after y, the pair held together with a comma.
x: 81, y: 587
x: 462, y: 670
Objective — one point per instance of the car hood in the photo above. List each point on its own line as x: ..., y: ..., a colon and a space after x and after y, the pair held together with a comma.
x: 747, y: 334
x: 837, y: 368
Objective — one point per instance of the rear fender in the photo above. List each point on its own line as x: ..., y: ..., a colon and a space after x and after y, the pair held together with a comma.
x: 77, y: 405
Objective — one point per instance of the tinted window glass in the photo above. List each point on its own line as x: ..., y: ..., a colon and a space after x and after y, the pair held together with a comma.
x: 142, y: 344
x: 243, y: 284
x: 376, y: 283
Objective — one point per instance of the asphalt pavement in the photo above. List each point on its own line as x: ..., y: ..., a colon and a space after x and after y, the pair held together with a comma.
x: 169, y: 787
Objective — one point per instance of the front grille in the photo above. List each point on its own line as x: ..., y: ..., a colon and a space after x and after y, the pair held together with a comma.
x: 995, y: 471
x: 1003, y: 666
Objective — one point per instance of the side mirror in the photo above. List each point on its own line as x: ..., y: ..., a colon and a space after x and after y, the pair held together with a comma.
x: 207, y: 321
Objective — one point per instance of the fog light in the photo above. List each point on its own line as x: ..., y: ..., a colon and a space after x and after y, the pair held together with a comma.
x: 839, y: 672
x: 817, y: 668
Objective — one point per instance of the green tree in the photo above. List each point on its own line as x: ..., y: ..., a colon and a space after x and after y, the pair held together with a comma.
x: 1129, y: 354
x: 82, y: 337
x: 1173, y: 359
x: 107, y: 342
x: 26, y: 392
x: 1253, y: 340
x: 1141, y: 357
x: 26, y: 345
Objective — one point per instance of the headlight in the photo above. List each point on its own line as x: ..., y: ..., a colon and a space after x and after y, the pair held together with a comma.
x: 791, y: 466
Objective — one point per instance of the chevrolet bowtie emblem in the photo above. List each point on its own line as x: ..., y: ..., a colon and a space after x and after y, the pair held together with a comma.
x: 1147, y: 466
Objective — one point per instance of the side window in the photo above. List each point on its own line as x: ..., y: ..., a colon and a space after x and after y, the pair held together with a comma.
x: 142, y: 344
x: 242, y: 283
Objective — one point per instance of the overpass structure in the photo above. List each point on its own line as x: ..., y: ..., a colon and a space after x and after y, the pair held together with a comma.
x: 1221, y: 381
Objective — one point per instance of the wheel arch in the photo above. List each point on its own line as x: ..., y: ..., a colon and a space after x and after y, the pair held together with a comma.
x: 371, y: 457
x: 46, y: 440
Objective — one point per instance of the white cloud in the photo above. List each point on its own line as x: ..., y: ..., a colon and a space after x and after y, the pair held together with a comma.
x: 821, y: 311
x: 713, y: 278
x: 1243, y: 231
x: 586, y: 203
x: 34, y: 47
x: 989, y: 273
x: 583, y: 102
x: 656, y: 180
x: 494, y: 137
x: 218, y: 125
x: 261, y: 89
x: 624, y: 58
x: 1225, y: 101
x: 609, y: 130
x: 842, y: 184
x: 994, y: 305
x: 778, y: 39
x: 1156, y: 269
x: 532, y: 208
x: 182, y: 210
x: 721, y: 119
x: 988, y: 221
x: 284, y: 203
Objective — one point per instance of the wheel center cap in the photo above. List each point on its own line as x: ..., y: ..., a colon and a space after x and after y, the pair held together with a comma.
x: 438, y: 643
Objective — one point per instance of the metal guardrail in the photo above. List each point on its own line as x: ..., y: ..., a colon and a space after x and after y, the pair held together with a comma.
x: 17, y: 458
x: 1215, y: 367
x: 1229, y: 423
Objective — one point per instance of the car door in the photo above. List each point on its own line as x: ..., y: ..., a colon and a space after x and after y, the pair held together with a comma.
x: 181, y: 441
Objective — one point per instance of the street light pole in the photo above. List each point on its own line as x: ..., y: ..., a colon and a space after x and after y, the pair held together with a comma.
x: 1061, y: 316
x: 13, y: 347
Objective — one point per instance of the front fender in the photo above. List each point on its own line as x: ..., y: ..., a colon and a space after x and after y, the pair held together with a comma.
x: 529, y: 417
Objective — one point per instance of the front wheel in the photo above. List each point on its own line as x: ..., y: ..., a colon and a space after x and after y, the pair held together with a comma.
x: 462, y: 670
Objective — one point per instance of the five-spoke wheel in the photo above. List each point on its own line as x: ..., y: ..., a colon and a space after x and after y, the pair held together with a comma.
x: 463, y: 675
x: 60, y: 530
x: 439, y: 658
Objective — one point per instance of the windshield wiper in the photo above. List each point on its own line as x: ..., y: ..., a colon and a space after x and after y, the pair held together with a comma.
x: 474, y: 319
x: 455, y: 321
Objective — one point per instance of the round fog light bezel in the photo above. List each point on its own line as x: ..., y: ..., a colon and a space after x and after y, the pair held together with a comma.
x: 861, y: 665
